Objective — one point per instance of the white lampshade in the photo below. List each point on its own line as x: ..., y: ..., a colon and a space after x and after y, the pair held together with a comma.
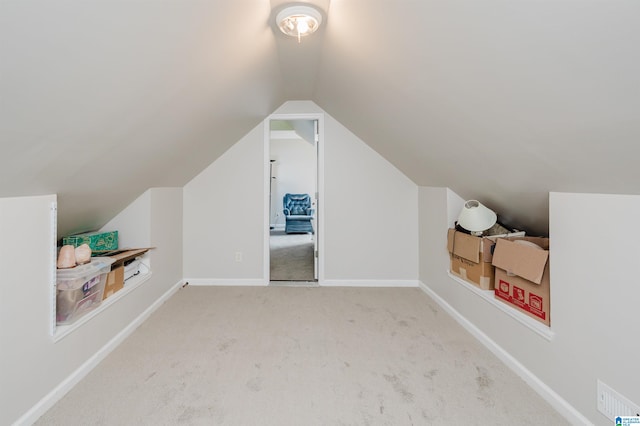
x: 476, y: 218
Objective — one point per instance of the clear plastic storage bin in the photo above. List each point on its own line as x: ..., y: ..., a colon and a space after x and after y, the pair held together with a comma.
x: 80, y: 289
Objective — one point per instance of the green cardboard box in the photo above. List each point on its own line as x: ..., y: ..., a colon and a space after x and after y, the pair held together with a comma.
x: 98, y: 241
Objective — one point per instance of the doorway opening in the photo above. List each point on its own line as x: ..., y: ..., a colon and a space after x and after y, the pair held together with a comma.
x: 293, y: 215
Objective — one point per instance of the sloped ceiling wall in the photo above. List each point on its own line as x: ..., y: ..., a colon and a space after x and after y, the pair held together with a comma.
x: 501, y: 101
x: 101, y: 100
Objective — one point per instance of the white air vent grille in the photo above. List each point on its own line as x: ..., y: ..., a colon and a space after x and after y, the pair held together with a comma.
x: 612, y: 404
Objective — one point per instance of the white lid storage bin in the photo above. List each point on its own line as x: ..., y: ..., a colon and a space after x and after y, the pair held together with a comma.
x: 80, y: 289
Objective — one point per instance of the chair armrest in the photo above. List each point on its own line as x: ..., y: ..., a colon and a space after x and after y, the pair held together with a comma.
x: 310, y: 212
x: 286, y: 212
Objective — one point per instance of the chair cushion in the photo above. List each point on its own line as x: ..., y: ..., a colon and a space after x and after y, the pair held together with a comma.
x: 298, y: 210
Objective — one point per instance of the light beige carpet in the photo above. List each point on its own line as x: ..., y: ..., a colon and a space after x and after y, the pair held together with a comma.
x: 291, y: 256
x: 301, y: 356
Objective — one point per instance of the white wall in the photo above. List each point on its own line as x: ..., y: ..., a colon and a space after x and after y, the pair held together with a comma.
x: 370, y: 223
x: 26, y: 271
x: 154, y: 219
x: 371, y: 217
x: 595, y: 295
x: 593, y: 299
x: 223, y: 210
x: 166, y: 235
x: 131, y: 223
x: 31, y: 363
x: 294, y: 172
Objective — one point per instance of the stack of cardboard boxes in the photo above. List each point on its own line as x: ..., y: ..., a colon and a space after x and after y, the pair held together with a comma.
x: 514, y: 267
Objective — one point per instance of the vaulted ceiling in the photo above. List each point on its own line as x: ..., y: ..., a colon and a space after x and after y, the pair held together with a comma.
x: 502, y: 101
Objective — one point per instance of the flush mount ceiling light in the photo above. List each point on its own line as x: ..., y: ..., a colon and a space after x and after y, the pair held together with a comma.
x: 298, y: 21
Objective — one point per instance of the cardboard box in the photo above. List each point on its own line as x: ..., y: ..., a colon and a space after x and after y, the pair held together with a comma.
x: 471, y: 257
x: 114, y: 282
x: 522, y: 275
x: 121, y: 256
x: 98, y: 241
x: 115, y: 278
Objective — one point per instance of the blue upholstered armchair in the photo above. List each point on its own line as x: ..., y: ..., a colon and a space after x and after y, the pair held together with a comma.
x: 298, y: 213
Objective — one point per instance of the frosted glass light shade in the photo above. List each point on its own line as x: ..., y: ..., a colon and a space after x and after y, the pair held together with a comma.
x: 475, y: 217
x: 298, y: 21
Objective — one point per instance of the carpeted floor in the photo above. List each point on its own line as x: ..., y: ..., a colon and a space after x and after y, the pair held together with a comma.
x: 301, y: 356
x: 291, y: 256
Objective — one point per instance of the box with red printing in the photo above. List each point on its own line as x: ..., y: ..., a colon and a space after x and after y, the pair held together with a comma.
x: 522, y: 275
x: 471, y: 257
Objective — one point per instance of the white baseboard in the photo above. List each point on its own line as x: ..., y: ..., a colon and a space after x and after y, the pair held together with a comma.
x: 369, y: 283
x: 548, y: 394
x: 67, y: 384
x: 325, y: 283
x: 225, y: 282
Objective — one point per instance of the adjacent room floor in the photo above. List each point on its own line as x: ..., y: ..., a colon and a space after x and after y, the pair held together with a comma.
x: 301, y: 356
x: 291, y: 256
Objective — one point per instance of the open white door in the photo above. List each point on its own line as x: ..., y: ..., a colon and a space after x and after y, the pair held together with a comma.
x: 297, y: 168
x: 316, y: 140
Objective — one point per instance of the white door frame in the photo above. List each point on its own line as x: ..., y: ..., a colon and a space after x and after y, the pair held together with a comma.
x: 319, y: 232
x: 316, y: 144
